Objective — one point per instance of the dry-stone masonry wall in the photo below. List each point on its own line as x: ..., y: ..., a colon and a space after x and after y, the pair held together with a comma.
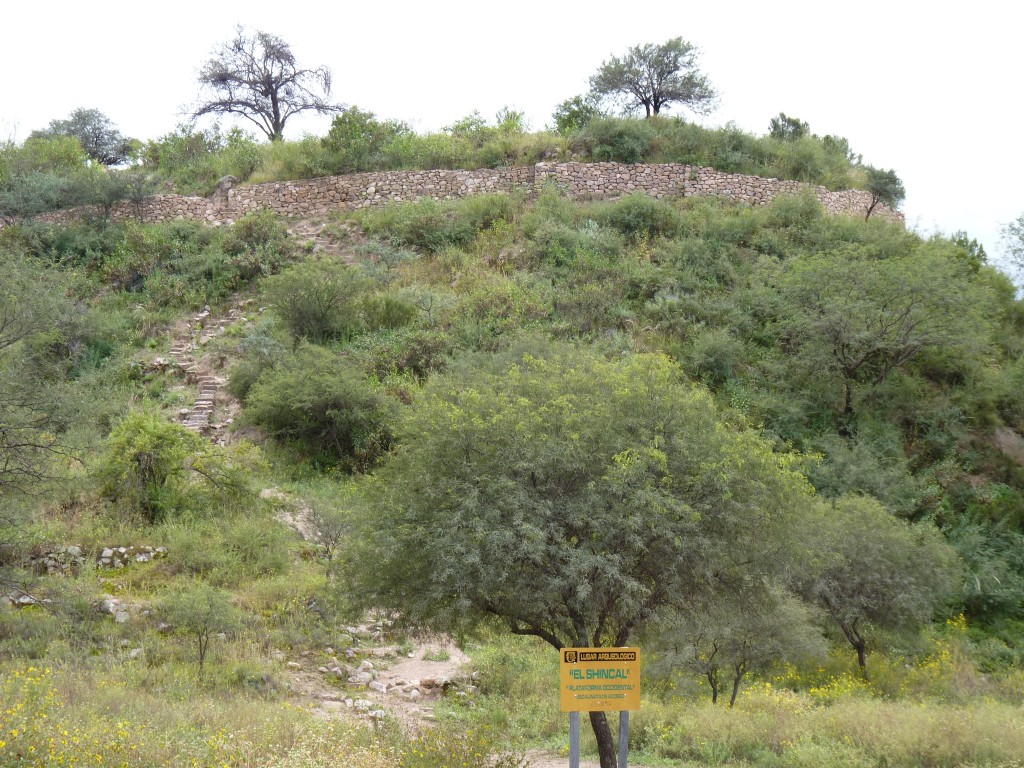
x: 314, y: 197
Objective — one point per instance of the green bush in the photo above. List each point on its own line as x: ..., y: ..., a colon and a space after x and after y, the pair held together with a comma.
x: 638, y: 216
x: 318, y: 301
x: 620, y: 140
x: 322, y: 405
x: 434, y: 226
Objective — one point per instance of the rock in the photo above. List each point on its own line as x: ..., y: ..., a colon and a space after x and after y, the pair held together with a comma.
x: 414, y: 694
x: 363, y: 705
x: 164, y: 628
x: 362, y: 678
x: 121, y: 617
x: 107, y: 553
x: 24, y: 601
x: 365, y: 665
x: 428, y: 682
x: 135, y: 653
x: 109, y: 604
x: 349, y: 703
x: 75, y: 551
x: 294, y: 665
x: 323, y: 670
x: 377, y: 685
x: 378, y: 714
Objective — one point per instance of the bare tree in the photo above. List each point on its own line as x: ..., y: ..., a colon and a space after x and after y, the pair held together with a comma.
x: 256, y: 76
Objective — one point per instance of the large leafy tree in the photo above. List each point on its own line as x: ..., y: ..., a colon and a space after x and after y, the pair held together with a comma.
x: 97, y: 134
x: 572, y: 498
x: 257, y: 77
x: 877, y: 570
x: 654, y: 77
x: 850, y: 319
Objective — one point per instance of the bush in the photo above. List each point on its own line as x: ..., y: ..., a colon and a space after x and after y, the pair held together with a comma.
x: 638, y: 216
x: 320, y: 404
x: 620, y: 140
x: 318, y: 302
x: 434, y: 226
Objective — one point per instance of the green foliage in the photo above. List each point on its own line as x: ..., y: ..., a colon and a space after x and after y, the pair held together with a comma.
x: 258, y: 245
x: 99, y: 137
x: 786, y: 128
x: 357, y: 140
x: 203, y: 612
x: 319, y: 302
x: 157, y: 467
x: 195, y: 159
x: 638, y: 216
x: 434, y: 226
x: 877, y: 569
x: 318, y: 402
x: 655, y: 77
x: 573, y: 115
x: 530, y: 456
x: 885, y: 187
x: 619, y: 140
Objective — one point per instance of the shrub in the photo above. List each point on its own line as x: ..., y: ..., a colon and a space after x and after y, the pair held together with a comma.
x: 620, y: 140
x: 637, y: 216
x: 258, y: 245
x: 322, y: 405
x: 318, y: 302
x: 435, y: 226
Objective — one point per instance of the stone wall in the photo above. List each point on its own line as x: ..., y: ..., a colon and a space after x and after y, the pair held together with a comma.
x: 315, y: 197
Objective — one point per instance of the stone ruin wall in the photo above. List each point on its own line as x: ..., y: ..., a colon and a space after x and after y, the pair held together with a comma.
x: 316, y: 197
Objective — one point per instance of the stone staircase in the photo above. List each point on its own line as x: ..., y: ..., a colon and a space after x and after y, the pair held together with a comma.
x: 206, y: 416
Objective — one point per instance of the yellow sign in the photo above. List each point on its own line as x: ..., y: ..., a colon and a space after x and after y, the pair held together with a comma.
x: 600, y: 679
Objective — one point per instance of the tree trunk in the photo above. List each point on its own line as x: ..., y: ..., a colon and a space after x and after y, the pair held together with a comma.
x: 862, y: 656
x: 605, y: 742
x: 713, y: 680
x: 736, y: 687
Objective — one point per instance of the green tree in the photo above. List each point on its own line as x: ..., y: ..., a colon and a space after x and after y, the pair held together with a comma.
x: 97, y: 134
x: 786, y: 128
x: 877, y: 569
x: 573, y: 115
x: 357, y: 139
x: 852, y: 319
x: 202, y: 611
x: 257, y: 77
x: 885, y: 187
x: 33, y: 413
x: 655, y: 77
x: 572, y: 498
x: 738, y: 633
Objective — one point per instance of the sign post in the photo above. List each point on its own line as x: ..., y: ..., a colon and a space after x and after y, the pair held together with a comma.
x: 599, y: 680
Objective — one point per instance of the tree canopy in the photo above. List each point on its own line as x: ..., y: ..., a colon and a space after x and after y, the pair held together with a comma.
x: 97, y: 134
x: 572, y: 498
x: 258, y: 77
x: 655, y: 77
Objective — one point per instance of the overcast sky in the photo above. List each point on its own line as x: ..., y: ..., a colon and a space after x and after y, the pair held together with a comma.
x: 929, y: 89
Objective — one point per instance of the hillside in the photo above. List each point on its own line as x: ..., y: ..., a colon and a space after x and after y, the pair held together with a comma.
x: 320, y: 439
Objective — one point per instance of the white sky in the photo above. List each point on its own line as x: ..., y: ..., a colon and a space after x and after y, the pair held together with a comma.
x: 925, y: 88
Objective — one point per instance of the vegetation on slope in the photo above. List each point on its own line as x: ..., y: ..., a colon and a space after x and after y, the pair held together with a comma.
x: 883, y: 369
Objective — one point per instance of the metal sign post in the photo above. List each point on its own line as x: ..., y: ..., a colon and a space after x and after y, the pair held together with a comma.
x: 599, y: 680
x: 574, y: 740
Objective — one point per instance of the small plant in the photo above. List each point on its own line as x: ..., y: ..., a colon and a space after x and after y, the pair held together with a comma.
x: 436, y: 654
